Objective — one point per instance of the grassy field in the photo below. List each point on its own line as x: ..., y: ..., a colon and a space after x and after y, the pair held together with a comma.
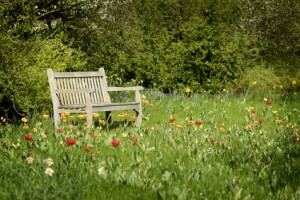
x: 190, y: 146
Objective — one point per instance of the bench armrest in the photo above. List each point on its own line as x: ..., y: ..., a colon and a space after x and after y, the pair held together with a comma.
x: 133, y: 88
x: 71, y: 91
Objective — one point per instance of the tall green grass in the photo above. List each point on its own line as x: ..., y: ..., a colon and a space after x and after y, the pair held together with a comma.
x: 229, y: 155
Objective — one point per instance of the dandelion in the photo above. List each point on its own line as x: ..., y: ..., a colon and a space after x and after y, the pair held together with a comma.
x: 49, y: 161
x: 101, y: 171
x: 49, y: 171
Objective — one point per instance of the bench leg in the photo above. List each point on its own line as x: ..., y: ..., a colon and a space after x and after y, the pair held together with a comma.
x: 56, y: 118
x: 108, y: 117
x: 138, y: 117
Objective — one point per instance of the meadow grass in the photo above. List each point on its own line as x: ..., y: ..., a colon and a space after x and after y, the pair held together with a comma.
x: 190, y: 146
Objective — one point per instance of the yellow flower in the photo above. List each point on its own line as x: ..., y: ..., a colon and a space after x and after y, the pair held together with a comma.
x: 124, y: 134
x: 24, y: 119
x: 248, y: 126
x: 251, y: 108
x: 278, y: 121
x: 67, y: 113
x: 280, y: 86
x: 34, y: 130
x: 95, y: 115
x: 254, y: 83
x: 294, y: 82
x: 178, y: 126
x: 222, y: 129
x: 102, y: 122
x: 25, y: 126
x: 133, y: 117
x: 187, y: 90
x: 191, y: 122
x: 45, y: 116
x: 275, y: 112
x: 144, y: 97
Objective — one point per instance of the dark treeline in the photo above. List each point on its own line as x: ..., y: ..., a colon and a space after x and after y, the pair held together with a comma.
x: 167, y: 44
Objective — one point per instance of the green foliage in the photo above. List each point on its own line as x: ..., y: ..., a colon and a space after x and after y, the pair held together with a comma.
x: 259, y: 78
x: 23, y: 69
x: 229, y: 155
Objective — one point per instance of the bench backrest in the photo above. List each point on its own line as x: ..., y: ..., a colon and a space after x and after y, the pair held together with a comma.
x: 78, y: 80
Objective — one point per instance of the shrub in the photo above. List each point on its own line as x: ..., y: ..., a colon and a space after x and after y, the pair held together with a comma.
x: 23, y: 70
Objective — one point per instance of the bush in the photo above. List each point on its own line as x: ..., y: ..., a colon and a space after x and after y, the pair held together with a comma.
x: 23, y: 70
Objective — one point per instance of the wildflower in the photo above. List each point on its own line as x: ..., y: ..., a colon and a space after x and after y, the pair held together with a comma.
x: 280, y: 86
x: 29, y: 160
x: 101, y: 171
x: 71, y: 117
x: 254, y: 83
x: 49, y: 171
x: 34, y: 130
x: 222, y: 129
x: 278, y: 121
x: 71, y: 142
x: 28, y: 137
x: 275, y: 112
x: 49, y: 161
x: 115, y: 143
x: 24, y: 119
x: 286, y: 94
x: 133, y: 117
x: 294, y: 82
x: 95, y: 115
x: 59, y: 130
x: 289, y: 125
x: 102, y: 122
x: 151, y: 104
x: 248, y: 126
x: 93, y: 135
x: 199, y: 123
x: 45, y: 116
x: 67, y: 114
x: 295, y: 139
x: 187, y: 90
x: 144, y: 97
x: 134, y: 140
x: 178, y: 126
x: 31, y: 154
x: 268, y: 101
x: 252, y: 115
x: 25, y: 127
x: 172, y: 118
x: 213, y: 139
x: 260, y: 121
x: 124, y: 135
x: 87, y: 149
x: 191, y: 122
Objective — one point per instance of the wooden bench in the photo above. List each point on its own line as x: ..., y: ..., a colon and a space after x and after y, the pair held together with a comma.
x: 87, y: 92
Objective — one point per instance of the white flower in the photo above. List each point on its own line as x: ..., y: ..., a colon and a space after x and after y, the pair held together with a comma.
x: 49, y: 171
x: 49, y: 161
x: 29, y: 160
x: 101, y: 171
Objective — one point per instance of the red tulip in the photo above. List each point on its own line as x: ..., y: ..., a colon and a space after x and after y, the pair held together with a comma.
x: 87, y: 149
x: 28, y: 137
x: 199, y: 123
x: 71, y: 142
x: 134, y: 139
x: 60, y: 130
x: 47, y: 132
x: 260, y: 121
x: 115, y: 143
x: 269, y: 102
